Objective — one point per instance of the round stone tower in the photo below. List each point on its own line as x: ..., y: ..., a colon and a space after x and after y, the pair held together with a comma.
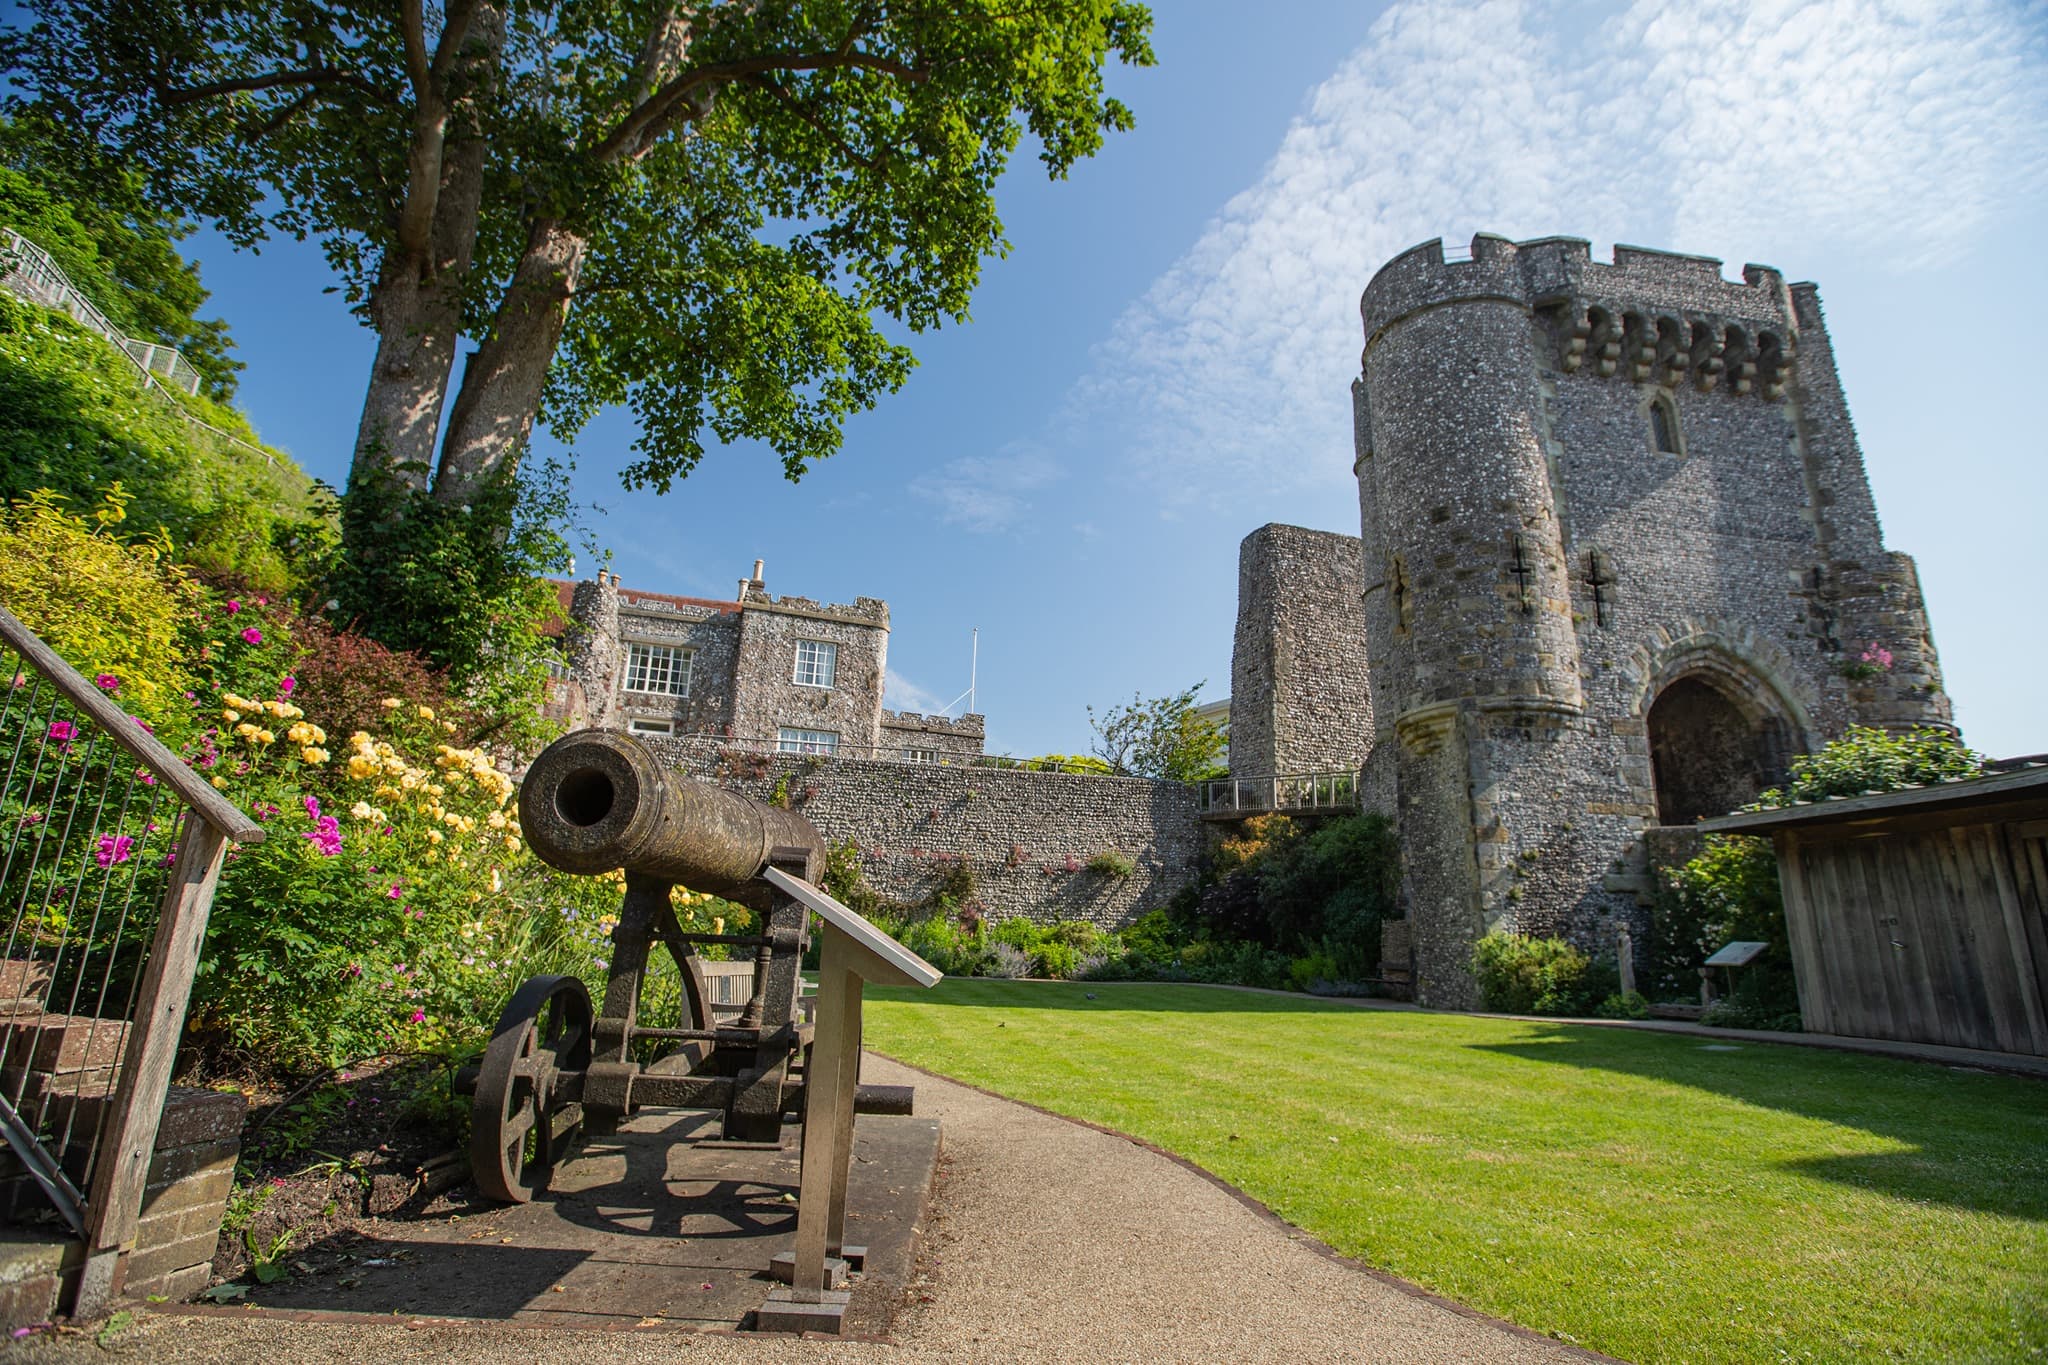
x: 1468, y: 593
x: 1621, y: 561
x: 1476, y: 600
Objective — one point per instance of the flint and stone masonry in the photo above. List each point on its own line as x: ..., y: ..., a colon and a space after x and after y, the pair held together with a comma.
x: 1298, y: 696
x: 1620, y: 561
x: 760, y: 670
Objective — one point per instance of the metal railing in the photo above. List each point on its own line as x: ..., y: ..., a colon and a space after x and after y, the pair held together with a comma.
x: 1283, y: 792
x: 27, y: 270
x: 110, y: 848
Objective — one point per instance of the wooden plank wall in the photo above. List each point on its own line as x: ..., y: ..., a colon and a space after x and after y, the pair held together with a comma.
x: 1925, y: 933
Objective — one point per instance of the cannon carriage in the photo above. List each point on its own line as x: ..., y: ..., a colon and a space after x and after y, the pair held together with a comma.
x: 596, y: 801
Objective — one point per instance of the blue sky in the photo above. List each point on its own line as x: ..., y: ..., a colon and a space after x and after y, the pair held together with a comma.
x: 1161, y: 363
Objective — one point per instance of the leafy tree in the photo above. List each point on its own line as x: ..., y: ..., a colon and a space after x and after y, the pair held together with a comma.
x: 707, y: 211
x: 1164, y: 737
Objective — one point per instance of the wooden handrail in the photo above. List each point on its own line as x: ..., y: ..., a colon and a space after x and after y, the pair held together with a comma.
x: 126, y: 731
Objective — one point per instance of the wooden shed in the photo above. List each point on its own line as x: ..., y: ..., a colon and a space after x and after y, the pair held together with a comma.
x: 1919, y: 915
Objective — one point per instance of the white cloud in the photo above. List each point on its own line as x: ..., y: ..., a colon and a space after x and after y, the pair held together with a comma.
x: 987, y: 492
x: 901, y: 694
x: 1755, y: 131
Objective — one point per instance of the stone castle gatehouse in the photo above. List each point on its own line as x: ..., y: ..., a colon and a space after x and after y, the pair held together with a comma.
x: 1618, y: 562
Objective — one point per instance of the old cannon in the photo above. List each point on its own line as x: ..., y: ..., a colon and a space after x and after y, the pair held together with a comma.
x: 596, y: 801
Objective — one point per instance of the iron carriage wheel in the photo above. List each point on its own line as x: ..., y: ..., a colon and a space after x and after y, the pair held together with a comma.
x: 517, y: 1131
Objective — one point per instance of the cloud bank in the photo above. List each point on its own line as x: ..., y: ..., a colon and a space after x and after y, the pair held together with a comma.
x: 1767, y: 131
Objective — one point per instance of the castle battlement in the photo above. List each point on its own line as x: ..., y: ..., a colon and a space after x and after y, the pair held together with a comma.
x: 1652, y: 317
x: 864, y: 611
x: 969, y: 726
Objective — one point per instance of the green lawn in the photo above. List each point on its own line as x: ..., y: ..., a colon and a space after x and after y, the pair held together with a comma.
x: 1655, y: 1196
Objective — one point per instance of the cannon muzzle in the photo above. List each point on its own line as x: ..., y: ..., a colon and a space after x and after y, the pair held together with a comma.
x: 598, y: 799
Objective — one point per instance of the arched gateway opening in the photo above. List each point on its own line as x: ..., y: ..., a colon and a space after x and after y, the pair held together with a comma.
x: 1711, y: 753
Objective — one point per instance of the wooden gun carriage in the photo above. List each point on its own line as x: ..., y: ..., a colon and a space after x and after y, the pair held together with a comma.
x: 596, y: 801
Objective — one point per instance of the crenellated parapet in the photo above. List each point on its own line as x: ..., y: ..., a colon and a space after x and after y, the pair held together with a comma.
x: 1649, y: 317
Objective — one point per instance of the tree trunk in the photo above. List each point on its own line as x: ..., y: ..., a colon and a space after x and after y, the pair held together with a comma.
x: 501, y: 387
x: 417, y: 310
x: 416, y: 304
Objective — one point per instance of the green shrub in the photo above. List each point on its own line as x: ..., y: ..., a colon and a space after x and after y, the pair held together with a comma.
x: 1518, y: 974
x: 1624, y: 1005
x: 1306, y: 973
x: 109, y: 605
x: 1111, y: 863
x: 1865, y: 761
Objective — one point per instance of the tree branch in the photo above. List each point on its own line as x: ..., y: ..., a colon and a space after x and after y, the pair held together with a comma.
x: 315, y: 76
x: 625, y: 140
x: 283, y: 116
x: 804, y: 112
x: 454, y: 33
x: 412, y: 25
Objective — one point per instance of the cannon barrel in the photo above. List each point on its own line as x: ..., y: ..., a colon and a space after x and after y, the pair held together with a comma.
x: 598, y: 799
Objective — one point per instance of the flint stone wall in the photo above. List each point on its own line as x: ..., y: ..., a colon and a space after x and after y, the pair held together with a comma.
x: 1298, y: 696
x: 1027, y: 836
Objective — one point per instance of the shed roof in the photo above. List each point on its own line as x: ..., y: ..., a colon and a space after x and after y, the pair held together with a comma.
x: 2018, y: 780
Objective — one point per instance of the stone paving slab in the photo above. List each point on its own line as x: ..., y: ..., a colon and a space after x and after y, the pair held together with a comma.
x: 649, y: 1226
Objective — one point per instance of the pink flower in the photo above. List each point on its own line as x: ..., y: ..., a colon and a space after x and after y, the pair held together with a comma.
x: 313, y: 806
x: 63, y: 731
x: 285, y: 686
x: 252, y: 636
x: 419, y: 1016
x: 113, y: 848
x: 394, y: 893
x: 326, y: 834
x: 231, y: 606
x: 106, y: 682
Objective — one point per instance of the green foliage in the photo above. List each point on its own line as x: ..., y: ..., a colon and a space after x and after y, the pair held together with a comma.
x: 1327, y: 892
x: 1865, y: 761
x: 1112, y: 863
x: 1318, y: 891
x: 1730, y: 891
x: 107, y: 604
x: 455, y: 586
x: 96, y: 222
x: 749, y: 214
x: 1160, y: 737
x: 1624, y: 1005
x: 75, y: 417
x: 1083, y: 764
x: 1518, y: 974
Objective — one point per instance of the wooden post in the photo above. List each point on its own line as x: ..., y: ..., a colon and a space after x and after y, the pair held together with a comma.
x: 828, y: 1087
x: 129, y: 1138
x: 850, y: 952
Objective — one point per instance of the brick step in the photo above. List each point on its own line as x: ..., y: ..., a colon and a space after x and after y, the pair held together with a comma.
x: 62, y: 1042
x: 34, y: 1265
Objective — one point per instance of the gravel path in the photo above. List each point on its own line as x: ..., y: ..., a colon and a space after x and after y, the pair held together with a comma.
x: 1049, y: 1241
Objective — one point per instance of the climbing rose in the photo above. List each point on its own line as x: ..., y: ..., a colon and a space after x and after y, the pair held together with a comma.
x: 106, y: 682
x: 252, y: 636
x: 114, y: 848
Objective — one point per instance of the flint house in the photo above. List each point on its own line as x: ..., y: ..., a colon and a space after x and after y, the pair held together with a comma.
x: 782, y: 674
